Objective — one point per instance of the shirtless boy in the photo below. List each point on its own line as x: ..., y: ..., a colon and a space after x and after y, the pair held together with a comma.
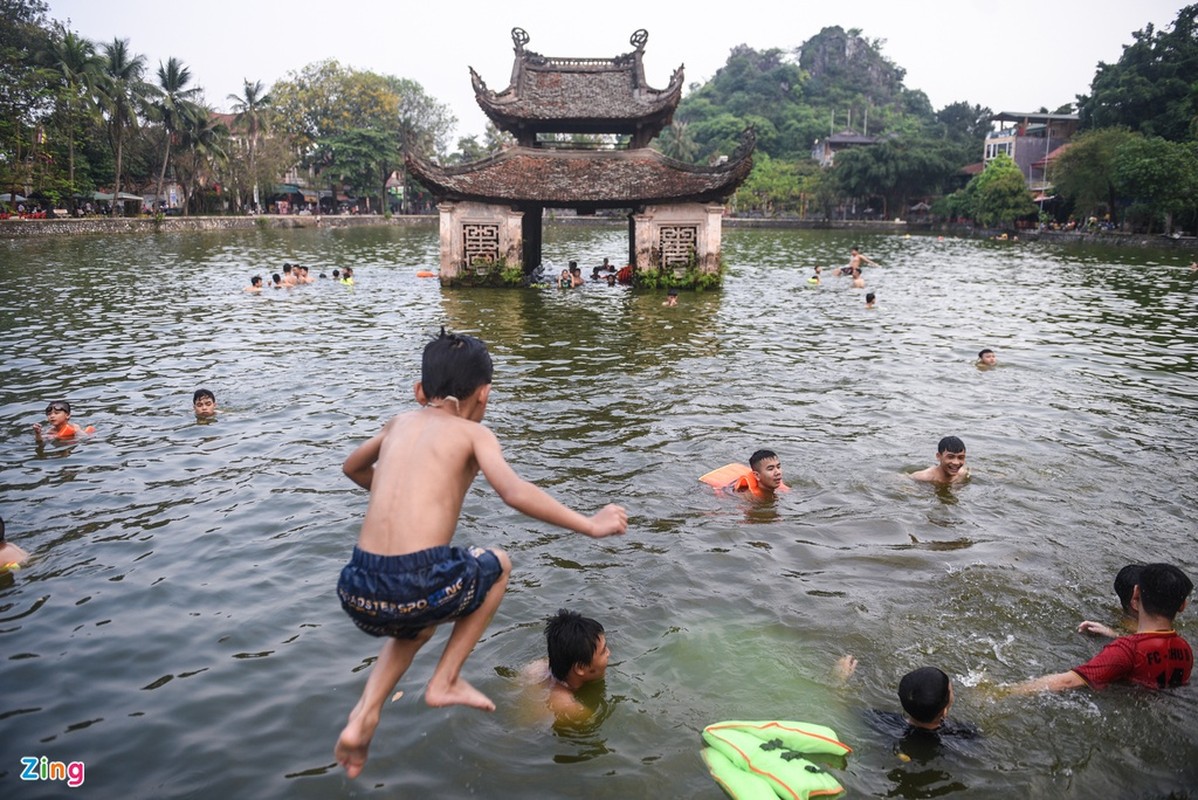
x: 1154, y: 656
x: 855, y: 260
x: 986, y: 358
x: 11, y: 556
x: 578, y: 655
x: 403, y: 578
x: 950, y: 463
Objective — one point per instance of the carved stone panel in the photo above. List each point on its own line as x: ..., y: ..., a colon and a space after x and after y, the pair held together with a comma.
x: 678, y: 244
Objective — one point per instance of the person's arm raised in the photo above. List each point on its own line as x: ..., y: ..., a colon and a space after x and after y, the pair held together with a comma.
x: 530, y: 499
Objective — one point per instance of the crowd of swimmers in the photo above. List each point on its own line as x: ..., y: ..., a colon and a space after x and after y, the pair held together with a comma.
x: 296, y: 275
x: 404, y: 578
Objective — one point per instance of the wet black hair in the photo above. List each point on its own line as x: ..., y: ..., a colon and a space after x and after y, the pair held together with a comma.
x: 336, y: 272
x: 672, y: 292
x: 62, y: 404
x: 454, y: 365
x: 286, y: 268
x: 983, y: 352
x: 924, y: 693
x: 200, y: 394
x: 571, y: 639
x: 870, y: 297
x: 950, y: 444
x: 276, y: 278
x: 257, y: 279
x: 1163, y: 588
x: 1125, y: 582
x: 759, y: 456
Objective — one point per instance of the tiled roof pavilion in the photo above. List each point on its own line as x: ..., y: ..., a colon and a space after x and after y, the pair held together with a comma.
x: 582, y: 95
x: 579, y: 95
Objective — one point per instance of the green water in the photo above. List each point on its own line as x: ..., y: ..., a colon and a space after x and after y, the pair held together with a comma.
x: 178, y: 631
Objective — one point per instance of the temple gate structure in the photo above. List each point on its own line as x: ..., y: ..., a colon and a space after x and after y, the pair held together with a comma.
x: 491, y: 211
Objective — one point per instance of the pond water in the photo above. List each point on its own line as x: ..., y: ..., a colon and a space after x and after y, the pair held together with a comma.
x: 177, y: 629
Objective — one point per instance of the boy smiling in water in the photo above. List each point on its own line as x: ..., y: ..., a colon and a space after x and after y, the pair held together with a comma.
x: 950, y: 463
x: 403, y: 579
x: 58, y: 414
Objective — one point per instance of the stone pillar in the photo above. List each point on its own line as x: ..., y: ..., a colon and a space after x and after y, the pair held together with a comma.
x: 496, y: 229
x: 710, y: 242
x: 705, y: 221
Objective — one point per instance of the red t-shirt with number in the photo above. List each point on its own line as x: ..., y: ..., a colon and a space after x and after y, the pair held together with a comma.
x: 1156, y: 659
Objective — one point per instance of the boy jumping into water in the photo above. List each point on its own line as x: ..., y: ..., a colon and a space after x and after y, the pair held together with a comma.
x: 950, y: 463
x: 1154, y: 656
x: 403, y: 578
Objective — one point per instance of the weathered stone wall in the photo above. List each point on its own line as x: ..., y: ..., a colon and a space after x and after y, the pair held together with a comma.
x: 22, y: 228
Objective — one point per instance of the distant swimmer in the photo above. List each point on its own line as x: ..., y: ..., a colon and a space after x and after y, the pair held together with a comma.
x: 815, y: 277
x: 203, y: 402
x: 950, y: 463
x: 871, y: 301
x: 58, y: 414
x: 856, y: 259
x: 255, y: 284
x: 11, y: 556
x: 858, y: 281
x: 986, y: 359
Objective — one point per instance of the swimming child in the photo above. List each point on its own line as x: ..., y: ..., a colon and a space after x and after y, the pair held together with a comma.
x: 869, y: 300
x: 276, y: 281
x: 204, y: 404
x: 255, y: 284
x: 57, y: 414
x: 565, y: 281
x: 950, y: 463
x: 404, y: 578
x: 1154, y: 656
x: 858, y: 281
x: 986, y: 358
x: 578, y: 655
x: 336, y: 274
x: 766, y: 478
x: 926, y: 696
x: 347, y: 276
x: 815, y: 276
x: 671, y: 298
x: 11, y: 556
x: 1125, y: 585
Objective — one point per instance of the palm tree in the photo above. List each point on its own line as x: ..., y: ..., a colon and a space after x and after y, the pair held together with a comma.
x: 73, y: 61
x: 204, y: 142
x: 121, y: 93
x: 252, y: 108
x: 173, y: 106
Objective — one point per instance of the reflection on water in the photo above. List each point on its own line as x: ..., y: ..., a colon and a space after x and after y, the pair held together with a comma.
x: 177, y: 627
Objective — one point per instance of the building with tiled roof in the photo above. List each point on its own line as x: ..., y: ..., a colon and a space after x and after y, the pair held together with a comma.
x: 492, y: 209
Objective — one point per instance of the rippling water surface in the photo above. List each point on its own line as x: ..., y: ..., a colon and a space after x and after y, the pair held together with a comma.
x: 177, y: 629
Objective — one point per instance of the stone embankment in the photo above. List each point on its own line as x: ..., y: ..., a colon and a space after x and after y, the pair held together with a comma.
x: 23, y: 228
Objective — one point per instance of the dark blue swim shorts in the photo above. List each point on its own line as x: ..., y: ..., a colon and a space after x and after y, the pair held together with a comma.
x: 400, y: 596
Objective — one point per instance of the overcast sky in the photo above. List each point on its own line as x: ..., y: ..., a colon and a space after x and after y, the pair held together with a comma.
x: 1013, y: 56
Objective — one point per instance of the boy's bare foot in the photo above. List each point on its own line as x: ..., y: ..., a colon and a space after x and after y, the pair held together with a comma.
x: 354, y: 742
x: 458, y: 693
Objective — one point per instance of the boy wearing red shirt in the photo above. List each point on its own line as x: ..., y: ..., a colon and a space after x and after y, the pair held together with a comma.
x: 1154, y: 656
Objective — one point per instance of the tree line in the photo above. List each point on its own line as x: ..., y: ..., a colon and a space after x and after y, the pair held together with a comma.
x: 77, y: 116
x: 80, y: 115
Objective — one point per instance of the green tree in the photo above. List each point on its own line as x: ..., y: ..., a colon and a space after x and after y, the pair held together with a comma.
x: 74, y: 65
x: 122, y: 93
x: 677, y: 142
x: 1158, y: 177
x: 1084, y: 172
x: 253, y: 115
x: 894, y: 170
x: 173, y: 107
x: 24, y: 91
x: 999, y: 195
x: 1153, y: 87
x: 204, y: 145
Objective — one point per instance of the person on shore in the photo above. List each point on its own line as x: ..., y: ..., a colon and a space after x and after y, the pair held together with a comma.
x: 255, y: 284
x: 58, y: 414
x: 1155, y: 656
x: 203, y: 402
x: 404, y: 579
x: 950, y: 463
x: 577, y: 656
x: 11, y: 556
